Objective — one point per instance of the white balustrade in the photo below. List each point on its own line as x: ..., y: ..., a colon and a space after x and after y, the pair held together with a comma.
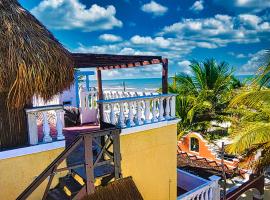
x: 196, y: 187
x: 138, y: 110
x: 45, y: 116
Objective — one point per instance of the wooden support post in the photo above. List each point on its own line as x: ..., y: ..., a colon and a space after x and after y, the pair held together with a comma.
x: 100, y: 95
x: 89, y: 167
x: 165, y: 76
x: 117, y: 155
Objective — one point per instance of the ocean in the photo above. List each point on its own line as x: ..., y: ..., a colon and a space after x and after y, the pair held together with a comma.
x: 144, y: 83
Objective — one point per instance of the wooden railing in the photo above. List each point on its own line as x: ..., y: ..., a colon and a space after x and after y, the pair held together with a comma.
x: 43, y: 116
x: 139, y: 110
x: 89, y: 163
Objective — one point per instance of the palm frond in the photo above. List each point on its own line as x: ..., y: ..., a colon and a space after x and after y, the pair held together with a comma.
x: 255, y: 134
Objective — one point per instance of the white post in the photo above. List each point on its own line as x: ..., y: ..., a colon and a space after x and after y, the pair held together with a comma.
x: 112, y: 115
x: 130, y: 115
x: 32, y: 128
x: 139, y: 114
x: 147, y: 111
x: 46, y: 128
x: 161, y: 109
x: 154, y: 111
x: 167, y: 109
x: 173, y: 107
x: 59, y: 125
x: 121, y: 121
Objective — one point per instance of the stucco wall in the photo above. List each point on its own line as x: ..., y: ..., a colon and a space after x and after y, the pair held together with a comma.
x: 18, y: 172
x: 204, y: 150
x: 150, y: 158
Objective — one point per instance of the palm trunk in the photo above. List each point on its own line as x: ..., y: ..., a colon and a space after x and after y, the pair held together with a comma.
x: 13, y: 125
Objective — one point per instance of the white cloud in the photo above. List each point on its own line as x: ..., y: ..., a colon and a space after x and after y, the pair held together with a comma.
x: 71, y: 14
x: 197, y: 6
x: 220, y: 30
x: 252, y: 5
x: 110, y: 38
x: 154, y: 8
x: 184, y: 66
x: 256, y: 61
x: 157, y: 41
x: 238, y: 55
x: 184, y: 63
x: 250, y: 20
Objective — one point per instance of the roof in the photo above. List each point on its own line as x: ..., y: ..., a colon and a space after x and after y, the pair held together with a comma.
x: 121, y: 189
x: 109, y: 61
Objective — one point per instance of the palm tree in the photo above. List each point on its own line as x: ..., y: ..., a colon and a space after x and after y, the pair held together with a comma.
x: 203, y: 94
x: 252, y: 113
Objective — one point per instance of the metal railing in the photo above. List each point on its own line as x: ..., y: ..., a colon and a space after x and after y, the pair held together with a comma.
x: 103, y: 157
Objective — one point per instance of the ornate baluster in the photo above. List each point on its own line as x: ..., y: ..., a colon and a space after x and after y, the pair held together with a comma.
x: 206, y: 194
x: 147, y: 111
x: 161, y: 109
x: 154, y: 111
x: 130, y: 115
x: 167, y: 109
x: 121, y: 120
x: 59, y: 125
x: 112, y: 114
x: 46, y: 128
x: 139, y: 114
x: 32, y: 128
x: 173, y: 107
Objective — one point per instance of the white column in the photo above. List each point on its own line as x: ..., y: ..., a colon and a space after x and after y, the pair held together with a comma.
x: 154, y: 111
x: 161, y: 109
x: 121, y: 121
x: 59, y: 125
x: 139, y: 114
x: 32, y: 128
x: 112, y: 114
x: 173, y: 107
x: 147, y: 111
x: 167, y: 109
x: 46, y: 128
x: 130, y: 114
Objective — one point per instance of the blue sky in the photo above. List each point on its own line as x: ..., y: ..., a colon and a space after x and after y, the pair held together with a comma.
x: 235, y: 31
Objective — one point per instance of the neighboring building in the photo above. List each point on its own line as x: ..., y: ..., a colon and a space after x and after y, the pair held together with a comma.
x: 194, y: 144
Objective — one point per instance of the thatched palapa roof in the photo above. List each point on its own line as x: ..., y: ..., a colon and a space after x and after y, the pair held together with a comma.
x: 32, y: 61
x: 121, y: 189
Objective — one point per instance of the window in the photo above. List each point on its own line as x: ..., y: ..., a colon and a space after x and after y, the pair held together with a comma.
x: 194, y: 144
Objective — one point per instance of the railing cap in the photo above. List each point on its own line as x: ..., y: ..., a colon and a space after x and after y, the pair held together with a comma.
x: 125, y: 99
x: 44, y: 108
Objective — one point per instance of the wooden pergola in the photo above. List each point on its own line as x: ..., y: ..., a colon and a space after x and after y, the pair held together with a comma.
x: 109, y: 62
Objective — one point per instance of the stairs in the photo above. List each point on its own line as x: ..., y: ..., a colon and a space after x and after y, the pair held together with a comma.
x: 67, y: 188
x: 71, y: 184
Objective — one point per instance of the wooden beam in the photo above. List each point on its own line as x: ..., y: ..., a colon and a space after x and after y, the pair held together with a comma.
x: 100, y: 94
x: 165, y: 76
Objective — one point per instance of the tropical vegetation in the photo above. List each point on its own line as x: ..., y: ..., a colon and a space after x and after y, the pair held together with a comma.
x: 203, y: 94
x: 251, y: 115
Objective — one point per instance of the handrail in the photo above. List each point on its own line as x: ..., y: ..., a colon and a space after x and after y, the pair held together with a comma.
x: 137, y: 98
x: 44, y: 108
x: 86, y: 138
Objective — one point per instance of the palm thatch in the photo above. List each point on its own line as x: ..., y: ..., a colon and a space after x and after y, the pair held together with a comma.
x: 32, y: 62
x: 122, y: 189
